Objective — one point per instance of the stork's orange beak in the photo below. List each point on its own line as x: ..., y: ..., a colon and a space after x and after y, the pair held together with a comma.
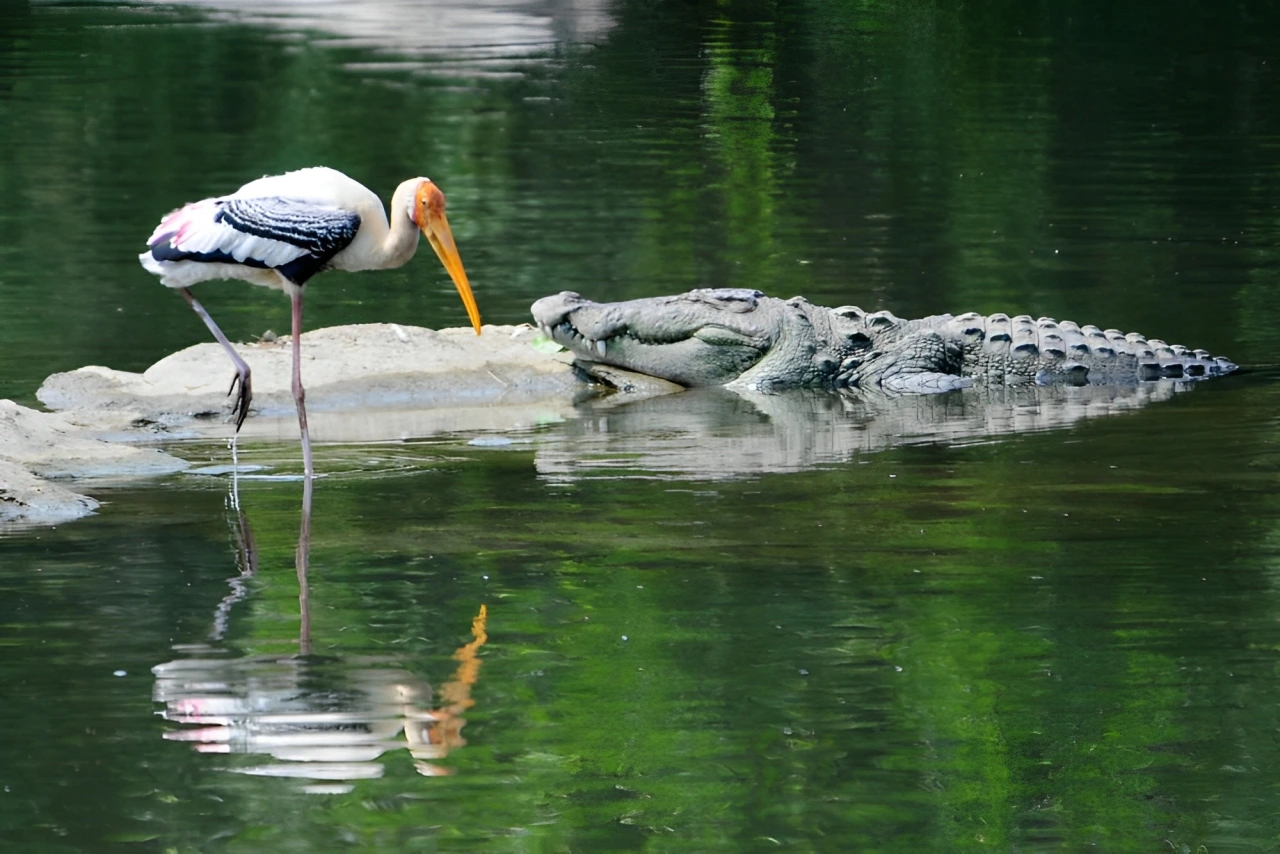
x: 429, y: 202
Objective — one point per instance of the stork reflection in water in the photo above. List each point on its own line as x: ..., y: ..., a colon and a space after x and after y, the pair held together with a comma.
x: 323, y: 718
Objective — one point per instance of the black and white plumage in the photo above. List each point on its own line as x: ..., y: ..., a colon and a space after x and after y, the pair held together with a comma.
x: 281, y: 230
x: 295, y: 238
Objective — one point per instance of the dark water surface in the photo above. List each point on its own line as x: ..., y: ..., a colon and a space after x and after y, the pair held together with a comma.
x: 702, y: 623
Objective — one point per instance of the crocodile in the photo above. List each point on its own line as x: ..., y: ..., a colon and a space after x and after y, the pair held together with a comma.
x: 742, y: 338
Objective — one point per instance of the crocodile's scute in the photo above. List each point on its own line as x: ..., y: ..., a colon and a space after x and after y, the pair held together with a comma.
x: 732, y: 336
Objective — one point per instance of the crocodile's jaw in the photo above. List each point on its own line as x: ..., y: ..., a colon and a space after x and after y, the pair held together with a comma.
x: 689, y: 362
x: 660, y: 337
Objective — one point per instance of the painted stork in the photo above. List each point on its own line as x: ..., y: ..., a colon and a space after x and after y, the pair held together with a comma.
x: 280, y: 230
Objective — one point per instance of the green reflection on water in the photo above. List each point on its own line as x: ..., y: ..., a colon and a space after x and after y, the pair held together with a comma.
x: 957, y: 647
x: 1009, y: 645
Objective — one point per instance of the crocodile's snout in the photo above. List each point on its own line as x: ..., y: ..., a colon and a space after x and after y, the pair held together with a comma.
x: 551, y: 311
x: 690, y: 339
x: 555, y: 316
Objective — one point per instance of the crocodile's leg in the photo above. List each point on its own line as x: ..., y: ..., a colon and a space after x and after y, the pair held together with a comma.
x: 921, y: 363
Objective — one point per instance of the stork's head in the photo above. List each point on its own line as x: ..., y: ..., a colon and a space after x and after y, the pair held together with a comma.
x: 427, y: 212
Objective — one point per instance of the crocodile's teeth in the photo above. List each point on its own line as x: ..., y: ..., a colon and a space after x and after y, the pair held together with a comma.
x: 600, y: 348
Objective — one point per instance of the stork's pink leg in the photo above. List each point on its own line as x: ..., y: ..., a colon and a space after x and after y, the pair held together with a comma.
x: 302, y: 563
x: 299, y: 396
x: 241, y: 408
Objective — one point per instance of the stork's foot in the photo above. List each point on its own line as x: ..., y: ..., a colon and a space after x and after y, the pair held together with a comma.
x: 240, y: 409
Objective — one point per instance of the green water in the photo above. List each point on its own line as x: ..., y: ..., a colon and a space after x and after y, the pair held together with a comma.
x: 710, y: 625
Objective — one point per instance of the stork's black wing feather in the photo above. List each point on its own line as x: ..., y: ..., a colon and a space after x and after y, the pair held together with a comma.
x: 321, y: 231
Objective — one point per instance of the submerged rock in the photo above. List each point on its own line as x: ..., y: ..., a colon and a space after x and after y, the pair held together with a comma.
x: 38, y: 445
x: 48, y: 445
x: 27, y: 499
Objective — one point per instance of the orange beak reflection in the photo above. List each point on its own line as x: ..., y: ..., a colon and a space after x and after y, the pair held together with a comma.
x: 435, y: 227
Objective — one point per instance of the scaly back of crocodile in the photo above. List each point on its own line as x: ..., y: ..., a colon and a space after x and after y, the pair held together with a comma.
x: 1009, y: 350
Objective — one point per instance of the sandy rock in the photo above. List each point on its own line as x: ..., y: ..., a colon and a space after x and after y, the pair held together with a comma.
x: 379, y: 365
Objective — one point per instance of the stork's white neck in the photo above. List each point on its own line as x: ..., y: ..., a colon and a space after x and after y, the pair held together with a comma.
x: 379, y: 245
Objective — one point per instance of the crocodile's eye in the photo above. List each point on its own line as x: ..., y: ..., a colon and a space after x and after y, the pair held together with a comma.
x: 734, y: 299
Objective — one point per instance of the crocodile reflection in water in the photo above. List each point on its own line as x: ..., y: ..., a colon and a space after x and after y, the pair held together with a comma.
x: 324, y: 719
x: 713, y: 434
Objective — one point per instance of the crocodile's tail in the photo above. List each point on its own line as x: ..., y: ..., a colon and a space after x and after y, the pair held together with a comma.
x: 1067, y: 352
